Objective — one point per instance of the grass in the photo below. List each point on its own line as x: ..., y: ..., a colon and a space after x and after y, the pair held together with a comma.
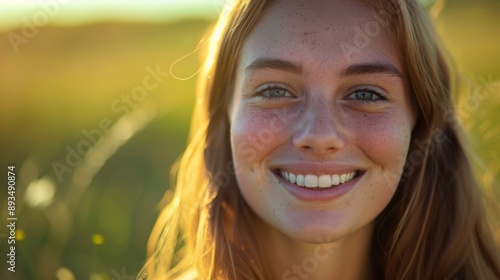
x: 64, y: 81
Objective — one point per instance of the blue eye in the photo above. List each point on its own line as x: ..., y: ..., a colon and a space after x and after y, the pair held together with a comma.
x: 274, y: 92
x: 366, y: 95
x: 277, y: 92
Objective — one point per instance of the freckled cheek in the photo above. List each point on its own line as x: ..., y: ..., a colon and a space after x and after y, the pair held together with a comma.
x: 253, y: 139
x: 254, y: 133
x: 384, y: 138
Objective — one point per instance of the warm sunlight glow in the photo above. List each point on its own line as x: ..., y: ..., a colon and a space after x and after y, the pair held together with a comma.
x: 40, y: 192
x: 14, y: 13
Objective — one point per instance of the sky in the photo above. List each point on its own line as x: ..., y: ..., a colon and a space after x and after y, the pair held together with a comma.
x: 15, y: 13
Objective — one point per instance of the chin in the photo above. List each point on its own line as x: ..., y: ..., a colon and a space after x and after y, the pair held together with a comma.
x: 315, y: 234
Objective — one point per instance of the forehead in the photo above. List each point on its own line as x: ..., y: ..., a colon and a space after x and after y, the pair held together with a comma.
x: 335, y: 32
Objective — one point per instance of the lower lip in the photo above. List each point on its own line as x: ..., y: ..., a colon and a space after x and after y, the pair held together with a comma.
x: 318, y: 194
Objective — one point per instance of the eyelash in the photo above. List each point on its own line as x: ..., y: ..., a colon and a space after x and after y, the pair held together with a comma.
x: 260, y: 93
x: 269, y: 87
x: 380, y: 97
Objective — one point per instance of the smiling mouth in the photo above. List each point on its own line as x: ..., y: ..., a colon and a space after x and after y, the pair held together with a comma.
x: 318, y: 182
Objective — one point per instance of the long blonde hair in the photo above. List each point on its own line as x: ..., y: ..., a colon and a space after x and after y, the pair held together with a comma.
x: 435, y: 227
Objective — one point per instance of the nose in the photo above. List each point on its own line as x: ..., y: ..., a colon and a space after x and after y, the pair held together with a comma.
x: 320, y: 132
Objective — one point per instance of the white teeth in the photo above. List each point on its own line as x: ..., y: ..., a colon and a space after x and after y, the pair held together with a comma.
x: 342, y: 178
x: 335, y: 180
x: 314, y: 181
x: 311, y: 181
x: 325, y: 181
x: 300, y: 180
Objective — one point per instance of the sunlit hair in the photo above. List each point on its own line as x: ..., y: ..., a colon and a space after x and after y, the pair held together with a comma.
x: 435, y: 226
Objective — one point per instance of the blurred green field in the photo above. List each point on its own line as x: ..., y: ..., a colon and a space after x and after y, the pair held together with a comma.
x: 66, y: 81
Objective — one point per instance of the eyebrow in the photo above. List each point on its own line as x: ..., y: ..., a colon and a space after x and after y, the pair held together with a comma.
x: 371, y: 68
x: 274, y: 64
x: 351, y: 70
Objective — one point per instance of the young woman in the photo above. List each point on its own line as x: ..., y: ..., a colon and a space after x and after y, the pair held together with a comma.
x: 324, y: 145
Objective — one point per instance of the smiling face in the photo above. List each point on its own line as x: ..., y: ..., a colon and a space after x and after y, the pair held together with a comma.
x: 321, y: 120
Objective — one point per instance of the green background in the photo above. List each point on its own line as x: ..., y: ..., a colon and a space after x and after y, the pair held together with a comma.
x: 63, y: 82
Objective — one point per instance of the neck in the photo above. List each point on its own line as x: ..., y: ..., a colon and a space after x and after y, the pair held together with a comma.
x: 345, y: 259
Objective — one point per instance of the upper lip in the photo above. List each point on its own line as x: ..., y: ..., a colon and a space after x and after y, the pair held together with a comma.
x: 316, y: 168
